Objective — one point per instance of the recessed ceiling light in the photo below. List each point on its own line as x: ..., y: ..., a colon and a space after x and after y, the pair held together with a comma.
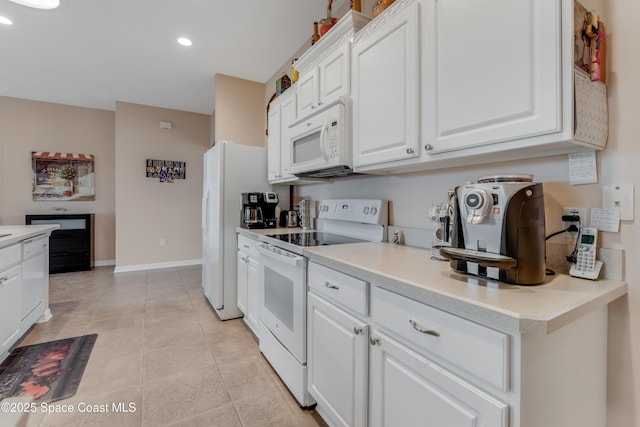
x: 39, y: 4
x: 184, y: 41
x: 5, y: 21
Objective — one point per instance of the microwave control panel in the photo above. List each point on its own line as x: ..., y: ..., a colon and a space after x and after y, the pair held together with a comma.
x: 333, y: 135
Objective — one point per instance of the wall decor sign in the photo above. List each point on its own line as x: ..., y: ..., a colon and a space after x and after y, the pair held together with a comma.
x: 62, y: 176
x: 166, y: 170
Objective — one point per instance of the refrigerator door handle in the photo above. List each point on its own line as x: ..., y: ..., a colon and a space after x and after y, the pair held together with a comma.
x: 205, y: 212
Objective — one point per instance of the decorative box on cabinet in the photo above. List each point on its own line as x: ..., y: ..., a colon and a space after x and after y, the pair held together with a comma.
x: 510, y: 95
x: 71, y: 247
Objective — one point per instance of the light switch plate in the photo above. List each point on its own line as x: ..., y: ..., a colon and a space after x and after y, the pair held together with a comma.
x: 619, y: 197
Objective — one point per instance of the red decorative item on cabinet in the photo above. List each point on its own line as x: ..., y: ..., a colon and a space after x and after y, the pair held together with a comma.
x: 328, y: 22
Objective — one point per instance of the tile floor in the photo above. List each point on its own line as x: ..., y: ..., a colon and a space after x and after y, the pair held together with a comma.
x: 161, y: 347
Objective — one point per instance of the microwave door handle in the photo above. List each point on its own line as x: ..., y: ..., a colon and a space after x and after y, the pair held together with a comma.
x: 323, y: 142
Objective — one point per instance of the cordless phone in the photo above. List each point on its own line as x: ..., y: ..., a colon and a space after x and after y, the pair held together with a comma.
x: 586, y: 266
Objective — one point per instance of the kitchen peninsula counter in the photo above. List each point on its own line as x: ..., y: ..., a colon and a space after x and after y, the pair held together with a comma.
x: 17, y: 233
x: 515, y: 309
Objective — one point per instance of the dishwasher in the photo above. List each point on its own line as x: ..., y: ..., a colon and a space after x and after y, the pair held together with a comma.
x: 34, y: 276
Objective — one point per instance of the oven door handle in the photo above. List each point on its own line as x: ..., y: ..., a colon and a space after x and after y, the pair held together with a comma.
x: 281, y: 255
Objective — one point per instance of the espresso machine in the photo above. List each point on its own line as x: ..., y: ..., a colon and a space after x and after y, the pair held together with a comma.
x: 496, y: 229
x: 259, y: 210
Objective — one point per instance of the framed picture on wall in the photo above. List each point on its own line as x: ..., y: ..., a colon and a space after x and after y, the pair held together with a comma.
x: 166, y: 170
x: 62, y: 176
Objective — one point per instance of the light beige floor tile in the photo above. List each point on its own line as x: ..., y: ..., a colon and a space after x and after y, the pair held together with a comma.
x: 116, y: 373
x: 224, y: 416
x: 183, y: 395
x: 248, y: 377
x: 168, y: 361
x: 268, y: 409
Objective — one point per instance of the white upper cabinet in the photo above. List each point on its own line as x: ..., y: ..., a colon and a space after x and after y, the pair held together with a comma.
x: 386, y: 82
x: 325, y: 69
x: 450, y: 83
x: 492, y: 71
x: 281, y: 112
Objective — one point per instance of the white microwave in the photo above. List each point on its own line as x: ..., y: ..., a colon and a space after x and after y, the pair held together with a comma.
x: 320, y: 145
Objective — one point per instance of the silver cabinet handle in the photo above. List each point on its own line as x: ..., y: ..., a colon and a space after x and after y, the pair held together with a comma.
x: 422, y: 330
x: 410, y: 151
x: 374, y: 340
x: 357, y: 330
x: 428, y: 147
x: 3, y: 279
x: 331, y: 286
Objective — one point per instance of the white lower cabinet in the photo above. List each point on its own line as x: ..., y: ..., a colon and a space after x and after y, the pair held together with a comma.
x: 337, y: 363
x: 9, y: 308
x: 407, y: 389
x: 248, y: 278
x: 379, y: 358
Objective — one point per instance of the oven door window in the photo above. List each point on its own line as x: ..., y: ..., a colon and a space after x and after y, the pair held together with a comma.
x: 307, y: 149
x: 283, y: 302
x: 278, y: 297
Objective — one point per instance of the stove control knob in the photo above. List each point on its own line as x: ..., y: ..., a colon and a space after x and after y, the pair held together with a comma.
x: 366, y: 210
x: 374, y: 211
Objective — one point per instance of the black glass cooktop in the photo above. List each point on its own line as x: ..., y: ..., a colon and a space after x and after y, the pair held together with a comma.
x: 315, y: 238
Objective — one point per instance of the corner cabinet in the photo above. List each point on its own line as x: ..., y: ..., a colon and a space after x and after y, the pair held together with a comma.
x: 449, y: 83
x: 282, y: 112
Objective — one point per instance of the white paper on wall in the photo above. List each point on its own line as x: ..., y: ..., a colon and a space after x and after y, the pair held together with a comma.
x: 582, y: 168
x: 605, y: 219
x: 591, y: 116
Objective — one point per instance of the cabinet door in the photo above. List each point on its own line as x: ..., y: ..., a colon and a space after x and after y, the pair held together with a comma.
x: 273, y: 142
x: 308, y: 93
x: 409, y: 390
x: 386, y: 86
x: 492, y: 71
x: 242, y: 282
x: 288, y: 116
x: 335, y: 75
x: 253, y: 305
x: 9, y: 307
x: 337, y: 362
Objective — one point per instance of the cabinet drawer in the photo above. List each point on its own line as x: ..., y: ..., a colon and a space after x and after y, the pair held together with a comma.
x: 67, y: 239
x: 340, y: 288
x: 248, y: 246
x: 476, y: 349
x: 9, y: 256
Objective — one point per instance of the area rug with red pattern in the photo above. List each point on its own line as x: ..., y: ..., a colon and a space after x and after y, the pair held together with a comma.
x: 47, y: 371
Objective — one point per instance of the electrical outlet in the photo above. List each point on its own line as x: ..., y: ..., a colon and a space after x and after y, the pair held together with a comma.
x: 581, y: 212
x: 163, y: 242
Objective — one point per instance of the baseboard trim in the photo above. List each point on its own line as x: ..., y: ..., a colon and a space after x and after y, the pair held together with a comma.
x: 104, y: 263
x: 139, y: 267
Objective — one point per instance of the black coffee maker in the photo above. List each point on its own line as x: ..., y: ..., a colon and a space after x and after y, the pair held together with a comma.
x: 259, y: 210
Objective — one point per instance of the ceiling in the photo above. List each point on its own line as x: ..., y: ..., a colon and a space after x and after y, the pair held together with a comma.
x: 92, y: 53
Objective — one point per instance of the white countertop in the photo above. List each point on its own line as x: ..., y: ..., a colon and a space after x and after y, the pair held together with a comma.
x: 514, y: 309
x: 18, y: 233
x: 254, y: 233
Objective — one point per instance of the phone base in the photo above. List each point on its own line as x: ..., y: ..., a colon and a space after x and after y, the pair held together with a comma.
x: 591, y: 275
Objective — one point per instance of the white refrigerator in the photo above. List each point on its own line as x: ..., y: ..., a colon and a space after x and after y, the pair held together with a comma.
x: 229, y: 170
